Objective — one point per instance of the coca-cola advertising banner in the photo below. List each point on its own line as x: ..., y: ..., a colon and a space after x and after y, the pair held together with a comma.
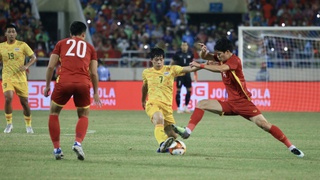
x: 126, y: 95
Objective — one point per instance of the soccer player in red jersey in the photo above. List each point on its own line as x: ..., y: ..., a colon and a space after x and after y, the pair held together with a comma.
x: 239, y: 103
x: 78, y: 67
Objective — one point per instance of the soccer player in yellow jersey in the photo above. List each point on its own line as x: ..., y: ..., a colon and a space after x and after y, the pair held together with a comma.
x: 158, y: 88
x: 14, y: 79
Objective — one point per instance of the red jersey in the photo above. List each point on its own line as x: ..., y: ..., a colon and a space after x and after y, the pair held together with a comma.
x: 75, y: 57
x: 234, y: 80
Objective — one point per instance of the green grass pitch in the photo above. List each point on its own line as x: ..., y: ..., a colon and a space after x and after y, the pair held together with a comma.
x: 121, y: 145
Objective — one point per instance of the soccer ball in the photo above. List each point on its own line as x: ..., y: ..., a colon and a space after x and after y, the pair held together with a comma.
x: 178, y: 148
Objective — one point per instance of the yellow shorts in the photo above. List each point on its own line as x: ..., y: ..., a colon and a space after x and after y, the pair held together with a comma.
x: 166, y: 110
x: 21, y: 88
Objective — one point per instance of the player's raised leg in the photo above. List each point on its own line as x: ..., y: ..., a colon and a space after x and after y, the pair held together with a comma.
x: 279, y: 135
x: 276, y: 132
x: 194, y: 120
x: 211, y: 105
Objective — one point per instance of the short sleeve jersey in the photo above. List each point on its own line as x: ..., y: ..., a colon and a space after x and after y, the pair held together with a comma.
x: 234, y: 80
x: 13, y: 57
x: 75, y: 57
x: 160, y: 82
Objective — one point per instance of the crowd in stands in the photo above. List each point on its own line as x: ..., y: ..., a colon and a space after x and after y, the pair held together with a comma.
x: 283, y: 12
x: 119, y: 26
x: 287, y: 13
x: 30, y: 28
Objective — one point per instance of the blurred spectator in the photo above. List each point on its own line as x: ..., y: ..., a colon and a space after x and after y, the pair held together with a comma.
x: 172, y: 16
x: 101, y: 23
x: 40, y: 50
x: 43, y: 37
x: 210, y: 44
x: 263, y: 74
x: 168, y: 37
x: 189, y: 38
x: 137, y: 19
x: 123, y: 45
x: 253, y: 7
x: 103, y: 72
x: 159, y: 8
x: 158, y: 31
x: 89, y: 12
x: 267, y: 11
x: 149, y: 26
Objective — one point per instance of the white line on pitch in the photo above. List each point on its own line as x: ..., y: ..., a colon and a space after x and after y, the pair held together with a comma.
x: 88, y: 132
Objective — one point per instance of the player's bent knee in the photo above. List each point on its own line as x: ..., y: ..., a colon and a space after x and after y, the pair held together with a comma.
x: 157, y: 118
x: 263, y: 124
x: 157, y: 121
x: 8, y: 100
x: 83, y: 112
x: 202, y: 104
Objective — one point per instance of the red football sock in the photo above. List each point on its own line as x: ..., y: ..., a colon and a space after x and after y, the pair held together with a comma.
x: 278, y: 134
x: 195, y: 118
x: 54, y: 130
x: 81, y: 128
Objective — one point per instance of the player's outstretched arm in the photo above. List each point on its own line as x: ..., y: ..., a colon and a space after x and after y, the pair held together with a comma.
x: 210, y: 67
x: 187, y: 69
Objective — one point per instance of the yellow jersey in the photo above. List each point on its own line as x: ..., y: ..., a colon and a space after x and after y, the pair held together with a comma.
x: 160, y: 82
x: 13, y: 56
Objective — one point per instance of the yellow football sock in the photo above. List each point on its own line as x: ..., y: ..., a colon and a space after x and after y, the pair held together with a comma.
x: 27, y: 120
x: 159, y: 133
x: 9, y: 118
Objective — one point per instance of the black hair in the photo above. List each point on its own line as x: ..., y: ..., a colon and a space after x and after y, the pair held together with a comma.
x: 223, y: 44
x: 11, y: 26
x: 77, y: 28
x: 156, y: 52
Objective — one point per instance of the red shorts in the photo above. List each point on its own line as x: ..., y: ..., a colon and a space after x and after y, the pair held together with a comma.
x: 241, y: 107
x: 63, y: 91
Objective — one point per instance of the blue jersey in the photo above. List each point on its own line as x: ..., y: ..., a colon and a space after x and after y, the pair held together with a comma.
x: 104, y: 73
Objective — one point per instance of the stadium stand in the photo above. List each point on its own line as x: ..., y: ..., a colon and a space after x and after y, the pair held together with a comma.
x: 119, y: 28
x: 126, y: 26
x: 122, y: 31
